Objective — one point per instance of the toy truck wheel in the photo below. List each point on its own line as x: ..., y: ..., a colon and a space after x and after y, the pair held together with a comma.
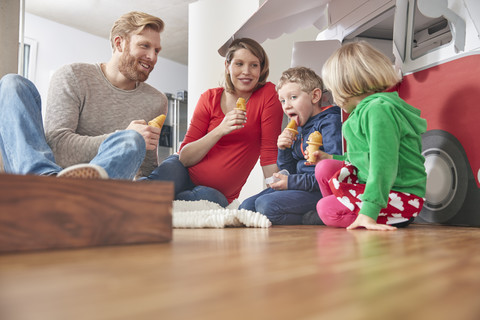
x: 447, y: 176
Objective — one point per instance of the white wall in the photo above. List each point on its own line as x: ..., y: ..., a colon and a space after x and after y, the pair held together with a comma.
x: 211, y: 24
x: 58, y: 45
x: 280, y: 50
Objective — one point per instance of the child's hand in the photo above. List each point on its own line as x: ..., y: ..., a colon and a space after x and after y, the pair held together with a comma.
x: 370, y: 224
x: 282, y: 184
x: 319, y: 156
x: 285, y: 139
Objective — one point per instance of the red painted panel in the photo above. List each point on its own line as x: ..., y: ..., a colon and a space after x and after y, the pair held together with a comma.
x: 449, y: 97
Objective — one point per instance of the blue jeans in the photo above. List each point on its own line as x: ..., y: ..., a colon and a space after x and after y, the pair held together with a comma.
x: 285, y: 207
x: 171, y: 169
x: 24, y: 147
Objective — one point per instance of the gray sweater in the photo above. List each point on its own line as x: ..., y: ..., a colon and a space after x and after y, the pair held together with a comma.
x: 84, y: 108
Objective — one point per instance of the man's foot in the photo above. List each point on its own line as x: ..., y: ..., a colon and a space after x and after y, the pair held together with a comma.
x: 84, y: 171
x: 312, y: 218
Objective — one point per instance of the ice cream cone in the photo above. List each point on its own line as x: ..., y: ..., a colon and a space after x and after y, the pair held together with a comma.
x: 292, y: 127
x: 158, y: 121
x: 314, y: 142
x: 241, y: 104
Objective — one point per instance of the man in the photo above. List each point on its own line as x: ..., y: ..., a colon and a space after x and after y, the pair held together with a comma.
x: 95, y: 121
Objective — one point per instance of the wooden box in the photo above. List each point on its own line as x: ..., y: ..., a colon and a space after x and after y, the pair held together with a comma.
x: 39, y: 212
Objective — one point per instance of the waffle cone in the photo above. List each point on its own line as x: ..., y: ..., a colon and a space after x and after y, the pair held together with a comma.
x: 158, y: 121
x: 241, y: 104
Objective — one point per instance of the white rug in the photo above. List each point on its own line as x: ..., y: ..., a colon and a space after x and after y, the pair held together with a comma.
x: 206, y: 214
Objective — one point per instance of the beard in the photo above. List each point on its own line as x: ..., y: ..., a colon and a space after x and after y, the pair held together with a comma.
x: 129, y: 67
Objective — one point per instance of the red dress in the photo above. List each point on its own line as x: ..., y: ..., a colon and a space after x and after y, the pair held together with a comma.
x: 228, y: 164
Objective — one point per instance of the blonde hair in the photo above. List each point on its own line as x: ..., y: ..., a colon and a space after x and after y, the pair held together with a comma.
x: 257, y: 50
x: 305, y: 77
x: 357, y: 68
x: 134, y: 22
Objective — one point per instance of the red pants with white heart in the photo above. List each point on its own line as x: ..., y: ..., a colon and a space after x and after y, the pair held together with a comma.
x: 341, y: 185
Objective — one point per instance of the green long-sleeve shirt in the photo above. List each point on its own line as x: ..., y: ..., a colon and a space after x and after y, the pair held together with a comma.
x: 383, y: 135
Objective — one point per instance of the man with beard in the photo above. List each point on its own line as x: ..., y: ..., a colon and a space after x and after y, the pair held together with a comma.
x: 96, y: 115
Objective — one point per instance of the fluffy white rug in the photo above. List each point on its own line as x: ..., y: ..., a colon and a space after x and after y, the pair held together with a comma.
x: 206, y: 214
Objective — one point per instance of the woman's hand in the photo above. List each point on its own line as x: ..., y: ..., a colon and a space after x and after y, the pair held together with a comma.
x: 195, y: 151
x: 285, y: 139
x: 370, y: 224
x: 282, y: 184
x: 150, y: 134
x: 318, y: 155
x: 233, y: 120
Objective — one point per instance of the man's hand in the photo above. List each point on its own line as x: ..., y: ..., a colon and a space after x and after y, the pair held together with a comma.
x: 150, y: 134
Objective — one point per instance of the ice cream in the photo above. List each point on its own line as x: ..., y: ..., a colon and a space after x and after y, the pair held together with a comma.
x: 292, y: 127
x: 241, y: 104
x: 158, y: 121
x: 314, y: 142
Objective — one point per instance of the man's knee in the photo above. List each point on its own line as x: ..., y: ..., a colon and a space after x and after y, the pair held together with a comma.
x: 11, y: 80
x: 14, y: 83
x: 132, y: 140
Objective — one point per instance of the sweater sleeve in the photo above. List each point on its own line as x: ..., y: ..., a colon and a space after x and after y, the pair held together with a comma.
x: 271, y: 126
x: 383, y: 137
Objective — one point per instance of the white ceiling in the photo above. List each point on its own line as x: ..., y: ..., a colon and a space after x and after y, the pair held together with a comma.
x: 97, y: 17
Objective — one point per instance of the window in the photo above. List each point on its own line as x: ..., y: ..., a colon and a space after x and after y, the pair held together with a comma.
x: 28, y: 67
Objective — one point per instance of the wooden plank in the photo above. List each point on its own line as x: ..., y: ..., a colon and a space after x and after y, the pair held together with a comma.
x: 39, y: 212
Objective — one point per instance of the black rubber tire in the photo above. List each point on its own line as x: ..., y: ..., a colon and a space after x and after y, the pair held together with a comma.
x: 447, y: 176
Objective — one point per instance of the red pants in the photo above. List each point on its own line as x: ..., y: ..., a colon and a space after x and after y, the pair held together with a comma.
x: 341, y: 204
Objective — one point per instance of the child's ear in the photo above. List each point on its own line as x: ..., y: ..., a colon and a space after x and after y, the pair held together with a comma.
x: 316, y: 95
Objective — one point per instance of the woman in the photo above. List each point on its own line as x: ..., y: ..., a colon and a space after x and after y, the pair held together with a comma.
x: 223, y: 144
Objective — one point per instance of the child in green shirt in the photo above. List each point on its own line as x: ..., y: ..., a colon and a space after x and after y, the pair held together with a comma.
x: 379, y: 183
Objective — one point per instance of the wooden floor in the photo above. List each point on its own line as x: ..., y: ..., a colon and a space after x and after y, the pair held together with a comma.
x: 304, y: 272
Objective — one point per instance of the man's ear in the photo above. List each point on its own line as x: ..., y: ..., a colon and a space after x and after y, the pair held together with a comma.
x: 118, y: 43
x: 316, y: 95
